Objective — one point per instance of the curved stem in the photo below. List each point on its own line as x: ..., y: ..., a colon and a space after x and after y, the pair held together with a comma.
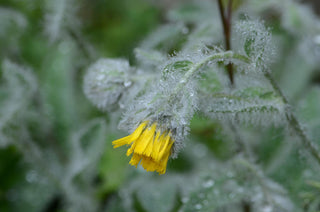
x: 293, y: 121
x: 210, y: 59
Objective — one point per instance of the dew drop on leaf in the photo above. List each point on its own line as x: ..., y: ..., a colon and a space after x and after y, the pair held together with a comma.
x: 208, y: 184
x: 198, y: 206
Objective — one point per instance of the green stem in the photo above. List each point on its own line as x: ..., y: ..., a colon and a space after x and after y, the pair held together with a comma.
x: 242, y: 144
x: 249, y: 109
x: 197, y: 67
x: 293, y: 121
x: 252, y: 167
x: 267, y: 192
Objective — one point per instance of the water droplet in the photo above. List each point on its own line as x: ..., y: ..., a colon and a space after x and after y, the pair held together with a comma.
x: 231, y: 195
x: 316, y: 39
x: 230, y: 174
x: 267, y: 208
x: 100, y: 77
x: 183, y: 81
x: 31, y: 176
x: 127, y: 83
x: 185, y: 199
x: 200, y: 150
x: 208, y: 184
x: 185, y: 30
x: 198, y: 206
x: 240, y: 190
x: 307, y: 173
x: 201, y: 195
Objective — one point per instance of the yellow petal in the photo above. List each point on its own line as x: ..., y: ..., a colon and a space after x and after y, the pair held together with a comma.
x: 148, y: 164
x: 138, y: 131
x: 130, y: 138
x: 135, y: 160
x: 121, y: 141
x: 163, y: 163
x: 149, y: 146
x: 143, y: 141
x: 157, y: 147
x: 164, y: 146
x: 148, y: 151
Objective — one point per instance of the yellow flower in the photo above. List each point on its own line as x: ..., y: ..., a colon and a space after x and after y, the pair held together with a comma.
x: 148, y: 145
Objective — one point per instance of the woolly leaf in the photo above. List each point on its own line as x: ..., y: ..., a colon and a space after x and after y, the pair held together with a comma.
x: 153, y: 194
x: 253, y: 38
x: 257, y: 108
x: 87, y: 145
x: 178, y: 67
x: 20, y: 86
x: 149, y: 58
x: 12, y: 26
x: 209, y: 83
x: 165, y: 37
x: 60, y: 18
x: 228, y: 188
x: 193, y: 12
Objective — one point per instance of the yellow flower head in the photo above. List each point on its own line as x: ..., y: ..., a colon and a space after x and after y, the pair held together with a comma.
x: 148, y: 145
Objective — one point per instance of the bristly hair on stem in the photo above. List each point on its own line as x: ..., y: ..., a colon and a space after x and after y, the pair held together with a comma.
x: 226, y: 23
x: 293, y: 121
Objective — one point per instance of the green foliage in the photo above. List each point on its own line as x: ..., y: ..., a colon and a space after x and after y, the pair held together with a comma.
x: 250, y: 146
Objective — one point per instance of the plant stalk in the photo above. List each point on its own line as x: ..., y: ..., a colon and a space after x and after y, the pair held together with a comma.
x: 293, y: 121
x: 226, y: 23
x: 210, y: 59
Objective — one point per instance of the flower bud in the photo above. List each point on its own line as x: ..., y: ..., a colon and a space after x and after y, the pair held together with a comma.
x: 105, y: 82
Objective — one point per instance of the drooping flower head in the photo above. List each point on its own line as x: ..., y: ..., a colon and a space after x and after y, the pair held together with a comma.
x: 150, y: 145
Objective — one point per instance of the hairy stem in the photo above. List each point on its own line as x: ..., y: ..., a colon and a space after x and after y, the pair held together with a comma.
x: 248, y: 109
x: 293, y: 121
x: 261, y: 178
x: 210, y: 59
